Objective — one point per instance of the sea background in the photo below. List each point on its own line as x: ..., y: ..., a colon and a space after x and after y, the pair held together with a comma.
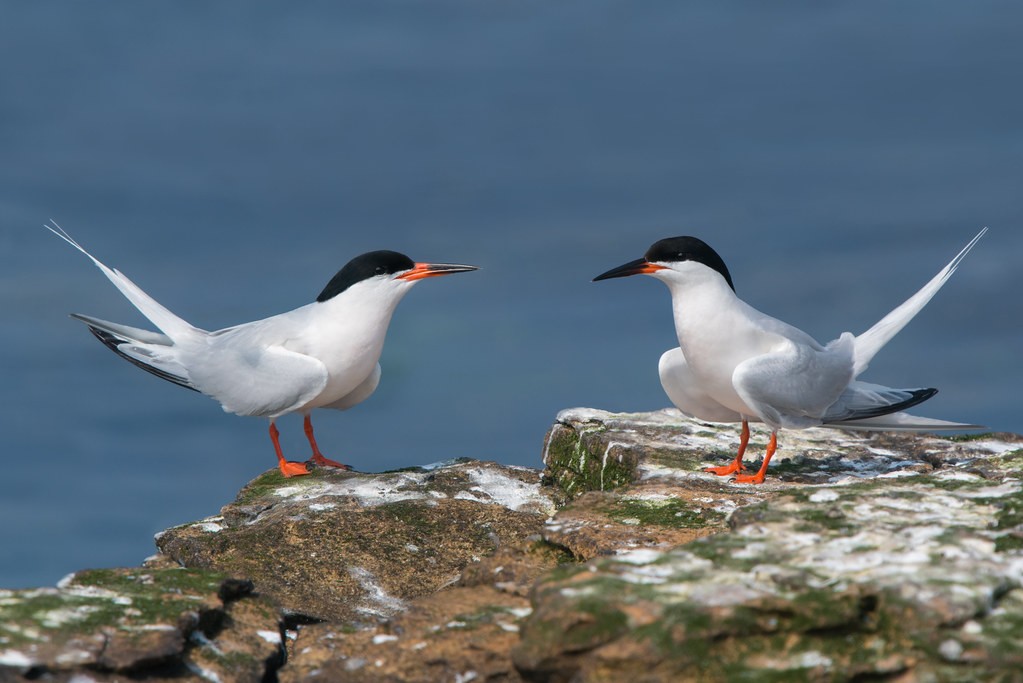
x: 231, y: 157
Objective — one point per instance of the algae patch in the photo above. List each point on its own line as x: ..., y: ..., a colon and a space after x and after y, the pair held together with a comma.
x: 667, y: 512
x: 105, y: 597
x: 579, y: 461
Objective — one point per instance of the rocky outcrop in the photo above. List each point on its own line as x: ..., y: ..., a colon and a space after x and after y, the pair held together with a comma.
x: 862, y: 557
x: 153, y: 623
x: 352, y: 547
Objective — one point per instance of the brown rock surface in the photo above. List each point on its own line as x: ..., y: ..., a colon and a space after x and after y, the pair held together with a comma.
x: 458, y: 634
x: 878, y: 557
x: 350, y: 547
x: 862, y: 557
x: 157, y: 624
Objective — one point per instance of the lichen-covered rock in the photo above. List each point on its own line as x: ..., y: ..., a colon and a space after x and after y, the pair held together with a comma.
x: 594, y: 450
x: 159, y: 624
x: 916, y: 570
x: 863, y: 557
x: 350, y: 547
x: 602, y: 523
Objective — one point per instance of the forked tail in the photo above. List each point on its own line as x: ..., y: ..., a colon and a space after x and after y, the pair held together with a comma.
x: 169, y: 323
x: 873, y: 340
x: 903, y: 422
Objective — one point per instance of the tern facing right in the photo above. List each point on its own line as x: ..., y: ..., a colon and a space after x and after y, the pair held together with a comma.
x: 736, y: 364
x: 321, y: 355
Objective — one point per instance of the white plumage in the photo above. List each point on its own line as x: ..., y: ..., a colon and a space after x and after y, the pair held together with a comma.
x: 321, y: 355
x: 736, y: 364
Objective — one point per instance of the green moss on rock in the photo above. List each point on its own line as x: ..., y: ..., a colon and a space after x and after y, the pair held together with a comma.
x: 672, y: 513
x: 98, y: 599
x: 579, y: 461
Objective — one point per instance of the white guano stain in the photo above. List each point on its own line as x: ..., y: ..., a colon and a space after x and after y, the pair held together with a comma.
x: 381, y: 603
x: 16, y: 659
x: 272, y: 637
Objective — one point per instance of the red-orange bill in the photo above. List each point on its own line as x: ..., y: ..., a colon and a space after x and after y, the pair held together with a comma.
x: 425, y: 270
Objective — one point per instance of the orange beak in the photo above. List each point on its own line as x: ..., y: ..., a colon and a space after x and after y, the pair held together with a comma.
x: 422, y: 271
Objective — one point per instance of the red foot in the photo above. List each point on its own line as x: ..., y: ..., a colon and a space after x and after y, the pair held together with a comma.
x: 736, y: 465
x: 287, y: 467
x: 317, y: 456
x: 758, y: 478
x: 725, y: 470
x: 327, y: 462
x: 292, y: 469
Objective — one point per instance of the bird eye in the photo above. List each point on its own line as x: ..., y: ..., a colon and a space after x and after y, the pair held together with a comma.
x: 379, y: 270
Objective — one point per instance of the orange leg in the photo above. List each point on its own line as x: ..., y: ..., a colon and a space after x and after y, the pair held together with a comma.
x: 288, y: 469
x: 736, y: 465
x: 758, y: 478
x: 317, y: 456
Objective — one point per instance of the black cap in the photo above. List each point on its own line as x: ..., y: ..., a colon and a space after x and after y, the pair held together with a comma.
x: 363, y: 267
x: 677, y: 249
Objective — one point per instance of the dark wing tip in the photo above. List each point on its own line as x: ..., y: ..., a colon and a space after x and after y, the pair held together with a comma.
x: 113, y: 342
x: 916, y: 397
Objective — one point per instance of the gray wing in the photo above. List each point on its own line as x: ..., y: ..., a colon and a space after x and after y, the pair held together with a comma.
x: 904, y: 422
x: 862, y: 401
x: 684, y: 390
x: 795, y: 385
x: 152, y: 351
x: 252, y: 379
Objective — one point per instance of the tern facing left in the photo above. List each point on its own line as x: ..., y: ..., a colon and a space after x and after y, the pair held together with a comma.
x: 736, y: 364
x: 322, y: 355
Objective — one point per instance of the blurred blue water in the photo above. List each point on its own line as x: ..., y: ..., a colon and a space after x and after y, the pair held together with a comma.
x: 231, y: 158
